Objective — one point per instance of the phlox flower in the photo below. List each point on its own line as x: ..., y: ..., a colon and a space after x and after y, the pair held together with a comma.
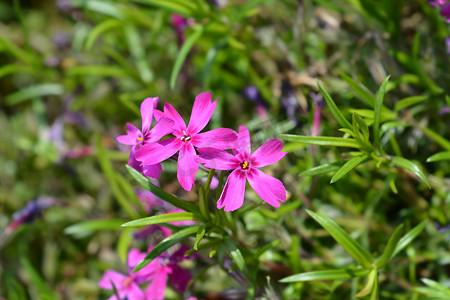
x: 445, y: 11
x: 186, y: 138
x: 127, y: 285
x: 137, y: 138
x: 163, y: 267
x: 245, y: 167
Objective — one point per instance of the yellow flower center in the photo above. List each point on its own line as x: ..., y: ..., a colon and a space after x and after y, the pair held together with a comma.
x: 140, y: 139
x: 244, y: 165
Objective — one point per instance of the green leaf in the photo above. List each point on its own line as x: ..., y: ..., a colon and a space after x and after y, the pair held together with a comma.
x: 327, y: 275
x: 334, y: 109
x: 138, y: 53
x: 235, y: 254
x: 407, y: 238
x: 184, y: 51
x: 100, y: 29
x: 35, y: 91
x: 377, y: 112
x: 360, y: 90
x: 344, y: 239
x: 436, y: 137
x: 164, y: 218
x: 347, y: 167
x: 177, y: 202
x: 100, y: 70
x: 371, y: 279
x: 410, y: 101
x: 185, y: 8
x: 88, y: 227
x: 321, y: 140
x: 322, y: 169
x: 437, y: 286
x: 390, y: 248
x: 439, y: 156
x: 123, y: 245
x: 199, y: 236
x: 166, y: 244
x: 409, y: 165
x: 110, y: 174
x: 44, y: 291
x: 361, y: 124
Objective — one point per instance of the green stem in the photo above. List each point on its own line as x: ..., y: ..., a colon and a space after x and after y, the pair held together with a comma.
x: 204, y: 193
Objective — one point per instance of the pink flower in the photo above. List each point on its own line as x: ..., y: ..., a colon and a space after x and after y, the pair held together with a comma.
x: 165, y: 266
x: 245, y: 167
x: 138, y: 138
x: 186, y: 138
x: 445, y: 12
x: 127, y: 285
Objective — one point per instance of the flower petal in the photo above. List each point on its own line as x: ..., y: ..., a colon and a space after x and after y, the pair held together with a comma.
x: 270, y: 189
x: 171, y: 113
x: 134, y: 257
x: 155, y: 290
x: 187, y: 166
x: 268, y: 153
x: 153, y: 153
x: 242, y: 143
x: 233, y: 193
x: 179, y: 278
x: 111, y: 276
x: 131, y: 137
x: 163, y: 127
x: 445, y: 11
x: 152, y: 170
x: 158, y: 114
x: 147, y: 107
x: 215, y: 159
x: 133, y: 291
x: 220, y: 138
x: 201, y: 112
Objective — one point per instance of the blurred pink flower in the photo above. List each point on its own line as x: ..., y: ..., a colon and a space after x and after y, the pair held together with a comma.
x: 186, y: 138
x: 445, y: 12
x: 245, y: 167
x: 127, y: 285
x: 137, y: 138
x: 164, y: 266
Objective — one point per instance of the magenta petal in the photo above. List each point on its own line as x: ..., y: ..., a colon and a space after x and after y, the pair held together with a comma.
x: 201, y: 112
x: 445, y: 11
x: 268, y: 153
x: 220, y: 138
x: 158, y: 114
x: 215, y: 159
x: 147, y: 107
x: 153, y: 153
x: 187, y: 166
x: 134, y: 257
x: 163, y: 127
x: 270, y: 189
x: 171, y: 113
x: 133, y: 291
x: 179, y: 278
x: 111, y: 276
x: 242, y: 143
x: 152, y: 170
x: 155, y: 290
x: 233, y: 193
x: 131, y: 137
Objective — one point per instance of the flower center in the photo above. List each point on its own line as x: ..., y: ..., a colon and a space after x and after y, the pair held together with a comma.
x: 127, y: 281
x: 186, y: 138
x: 245, y: 165
x: 140, y: 139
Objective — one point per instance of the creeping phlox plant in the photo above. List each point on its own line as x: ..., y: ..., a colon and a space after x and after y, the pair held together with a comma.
x: 207, y: 148
x: 219, y: 149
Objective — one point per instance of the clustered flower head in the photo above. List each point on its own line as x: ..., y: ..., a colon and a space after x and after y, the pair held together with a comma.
x: 195, y: 147
x: 156, y: 274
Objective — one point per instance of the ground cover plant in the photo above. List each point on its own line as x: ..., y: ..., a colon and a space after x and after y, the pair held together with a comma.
x: 255, y: 149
